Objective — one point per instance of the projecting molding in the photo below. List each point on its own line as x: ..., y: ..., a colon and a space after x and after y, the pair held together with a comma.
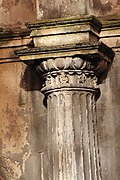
x: 110, y: 33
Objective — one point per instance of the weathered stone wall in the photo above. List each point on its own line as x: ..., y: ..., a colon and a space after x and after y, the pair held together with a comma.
x: 23, y: 122
x: 108, y: 123
x: 109, y: 106
x: 60, y: 8
x: 14, y: 13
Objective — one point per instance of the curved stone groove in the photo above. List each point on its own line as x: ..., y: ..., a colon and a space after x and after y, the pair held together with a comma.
x: 92, y: 145
x: 98, y: 171
x: 76, y: 113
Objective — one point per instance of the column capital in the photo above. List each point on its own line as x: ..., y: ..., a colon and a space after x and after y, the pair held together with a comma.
x: 68, y: 53
x: 71, y: 73
x: 84, y: 61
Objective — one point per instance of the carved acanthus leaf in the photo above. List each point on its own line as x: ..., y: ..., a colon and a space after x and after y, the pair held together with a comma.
x: 62, y: 64
x: 69, y: 79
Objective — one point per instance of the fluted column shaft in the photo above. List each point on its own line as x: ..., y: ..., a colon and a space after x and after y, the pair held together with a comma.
x: 72, y: 136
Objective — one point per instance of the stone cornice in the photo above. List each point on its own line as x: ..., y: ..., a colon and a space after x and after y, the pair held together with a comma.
x: 90, y: 20
x: 110, y: 24
x: 110, y: 33
x: 7, y: 34
x: 10, y: 40
x: 64, y: 32
x: 110, y: 28
x: 96, y: 51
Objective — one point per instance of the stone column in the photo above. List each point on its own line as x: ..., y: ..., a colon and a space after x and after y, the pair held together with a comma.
x: 71, y: 89
x: 72, y: 63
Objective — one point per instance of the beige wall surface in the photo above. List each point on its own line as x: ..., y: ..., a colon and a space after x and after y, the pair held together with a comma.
x: 22, y: 123
x: 16, y: 12
x: 108, y: 110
